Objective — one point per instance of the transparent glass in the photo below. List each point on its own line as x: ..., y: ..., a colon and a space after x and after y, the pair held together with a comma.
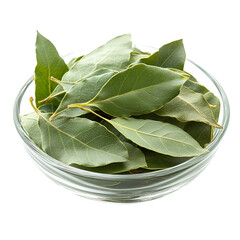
x: 123, y: 188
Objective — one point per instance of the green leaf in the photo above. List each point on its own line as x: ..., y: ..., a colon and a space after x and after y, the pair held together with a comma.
x: 196, y: 86
x: 209, y: 96
x: 214, y: 101
x: 73, y: 61
x: 189, y: 106
x: 80, y: 141
x: 57, y: 95
x: 112, y: 129
x: 153, y: 116
x: 136, y: 160
x: 49, y: 63
x: 191, y: 77
x: 82, y: 91
x: 171, y: 55
x: 159, y: 161
x: 158, y: 136
x: 30, y: 125
x: 136, y: 55
x: 201, y: 132
x: 114, y: 55
x: 137, y: 50
x: 137, y: 90
x: 47, y: 108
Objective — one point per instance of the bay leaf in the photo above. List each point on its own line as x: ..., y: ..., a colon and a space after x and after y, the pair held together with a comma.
x: 153, y: 116
x: 49, y: 63
x: 191, y: 77
x: 137, y: 50
x: 196, y: 86
x: 112, y: 129
x: 80, y: 141
x: 171, y: 55
x: 189, y: 106
x: 56, y: 95
x: 136, y: 55
x: 209, y: 96
x: 47, y: 108
x: 136, y: 160
x: 82, y: 91
x: 137, y: 90
x: 30, y: 125
x: 158, y: 136
x: 157, y: 161
x: 73, y: 61
x: 214, y: 101
x: 201, y: 132
x: 114, y: 55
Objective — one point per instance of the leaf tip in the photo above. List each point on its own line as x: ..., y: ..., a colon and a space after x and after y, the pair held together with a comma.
x: 38, y: 34
x: 219, y: 126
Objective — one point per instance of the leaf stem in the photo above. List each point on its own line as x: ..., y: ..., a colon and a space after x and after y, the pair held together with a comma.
x: 50, y: 97
x: 45, y: 99
x: 35, y: 109
x: 212, y: 106
x: 55, y: 80
x: 79, y: 105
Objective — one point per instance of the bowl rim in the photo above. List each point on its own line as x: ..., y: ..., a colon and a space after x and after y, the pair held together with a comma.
x: 219, y: 133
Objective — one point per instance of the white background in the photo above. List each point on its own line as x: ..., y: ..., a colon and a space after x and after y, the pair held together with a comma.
x: 33, y: 207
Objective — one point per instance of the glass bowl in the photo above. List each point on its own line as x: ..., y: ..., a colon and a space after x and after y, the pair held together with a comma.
x: 124, y: 188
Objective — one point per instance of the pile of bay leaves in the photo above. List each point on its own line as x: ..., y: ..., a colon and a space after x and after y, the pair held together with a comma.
x: 118, y: 109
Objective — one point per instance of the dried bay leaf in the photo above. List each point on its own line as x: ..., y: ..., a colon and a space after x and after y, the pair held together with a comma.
x: 214, y: 101
x: 201, y: 132
x: 136, y: 55
x: 30, y: 125
x: 49, y: 63
x: 189, y: 106
x: 73, y: 61
x: 171, y: 55
x: 114, y: 55
x: 112, y: 129
x: 158, y: 136
x: 136, y: 160
x: 82, y: 91
x: 137, y: 90
x: 195, y: 86
x: 157, y: 161
x: 191, y: 77
x: 80, y: 141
